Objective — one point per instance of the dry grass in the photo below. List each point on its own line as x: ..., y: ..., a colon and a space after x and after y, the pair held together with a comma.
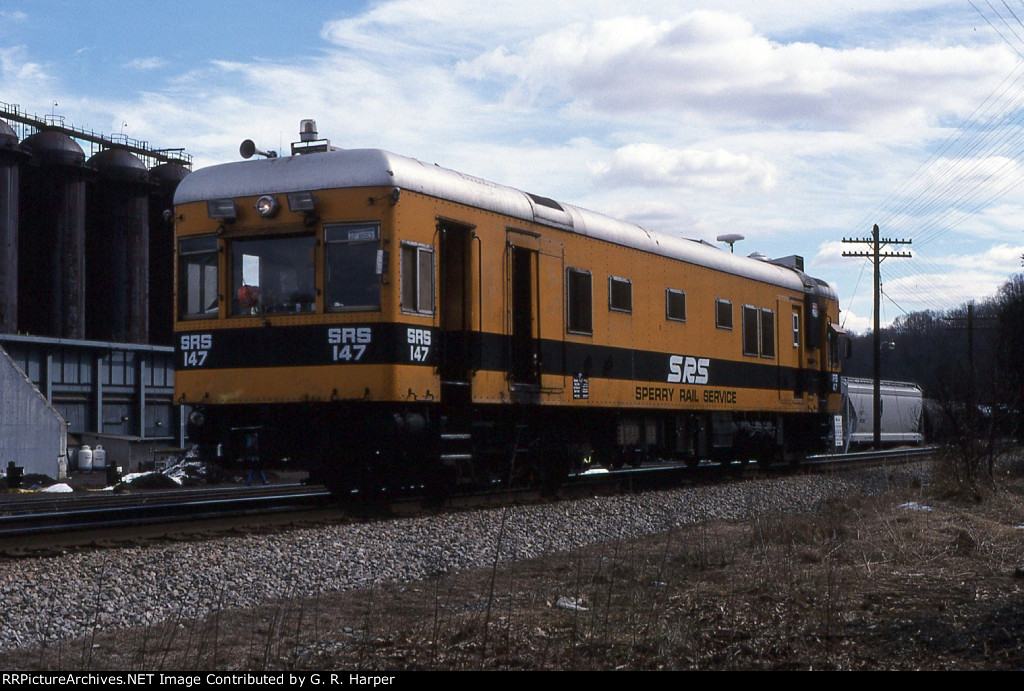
x: 869, y: 583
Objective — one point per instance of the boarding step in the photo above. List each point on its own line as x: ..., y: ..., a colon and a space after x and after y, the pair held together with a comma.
x: 456, y: 449
x: 453, y: 458
x: 456, y: 436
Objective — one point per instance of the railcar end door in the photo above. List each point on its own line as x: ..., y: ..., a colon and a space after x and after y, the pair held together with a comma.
x: 800, y: 383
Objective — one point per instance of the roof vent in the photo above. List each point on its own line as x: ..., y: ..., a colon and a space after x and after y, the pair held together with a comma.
x: 793, y: 261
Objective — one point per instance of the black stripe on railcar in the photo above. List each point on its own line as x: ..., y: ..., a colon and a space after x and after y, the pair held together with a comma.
x: 307, y: 345
x: 400, y: 344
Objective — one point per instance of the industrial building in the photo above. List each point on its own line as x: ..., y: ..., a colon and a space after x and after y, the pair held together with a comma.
x: 86, y: 294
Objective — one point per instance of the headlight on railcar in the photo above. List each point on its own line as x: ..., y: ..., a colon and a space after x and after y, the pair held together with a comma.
x: 197, y: 418
x: 267, y: 206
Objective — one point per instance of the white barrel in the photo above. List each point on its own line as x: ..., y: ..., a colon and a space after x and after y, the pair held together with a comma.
x: 99, y: 457
x: 85, y: 458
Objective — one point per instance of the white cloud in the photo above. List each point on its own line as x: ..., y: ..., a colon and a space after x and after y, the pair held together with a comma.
x: 145, y: 64
x: 649, y: 165
x: 831, y: 254
x: 712, y: 64
x: 1000, y: 259
x: 22, y: 79
x: 856, y: 323
x: 920, y: 290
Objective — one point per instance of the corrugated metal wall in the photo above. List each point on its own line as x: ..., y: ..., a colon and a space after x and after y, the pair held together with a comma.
x: 111, y: 388
x: 32, y: 434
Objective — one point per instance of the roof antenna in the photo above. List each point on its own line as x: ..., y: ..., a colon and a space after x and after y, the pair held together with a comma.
x: 730, y: 239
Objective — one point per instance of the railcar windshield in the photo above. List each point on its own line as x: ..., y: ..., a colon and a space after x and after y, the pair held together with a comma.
x: 273, y: 275
x: 354, y: 266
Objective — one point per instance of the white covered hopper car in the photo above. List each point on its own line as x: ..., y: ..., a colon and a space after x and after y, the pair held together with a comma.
x: 902, y: 412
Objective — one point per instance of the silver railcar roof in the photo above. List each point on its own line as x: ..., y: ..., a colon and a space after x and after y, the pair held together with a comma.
x: 374, y: 167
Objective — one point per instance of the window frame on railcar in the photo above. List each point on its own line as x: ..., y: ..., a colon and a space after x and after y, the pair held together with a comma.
x: 278, y: 261
x: 620, y: 294
x: 361, y: 276
x: 680, y: 294
x: 195, y: 279
x: 758, y: 337
x: 720, y: 321
x: 767, y: 331
x: 578, y: 301
x: 417, y: 278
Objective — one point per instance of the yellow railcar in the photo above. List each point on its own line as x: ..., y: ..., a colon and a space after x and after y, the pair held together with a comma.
x: 392, y: 322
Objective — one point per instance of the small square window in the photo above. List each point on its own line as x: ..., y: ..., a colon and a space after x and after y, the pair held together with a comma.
x: 675, y: 305
x: 723, y: 314
x: 620, y: 294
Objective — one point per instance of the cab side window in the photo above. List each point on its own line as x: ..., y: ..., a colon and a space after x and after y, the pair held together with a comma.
x: 417, y: 278
x: 197, y: 277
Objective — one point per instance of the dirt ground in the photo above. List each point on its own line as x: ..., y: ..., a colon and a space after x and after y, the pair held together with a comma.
x: 914, y: 579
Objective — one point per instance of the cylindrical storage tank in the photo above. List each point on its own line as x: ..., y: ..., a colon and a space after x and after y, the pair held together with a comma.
x: 10, y: 156
x: 117, y: 248
x: 99, y: 457
x: 85, y: 458
x: 165, y: 178
x: 51, y: 237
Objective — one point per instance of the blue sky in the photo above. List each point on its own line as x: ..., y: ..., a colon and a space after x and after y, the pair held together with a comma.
x: 793, y: 123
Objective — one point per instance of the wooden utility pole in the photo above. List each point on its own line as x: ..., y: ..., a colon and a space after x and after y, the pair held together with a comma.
x: 876, y: 255
x: 971, y: 326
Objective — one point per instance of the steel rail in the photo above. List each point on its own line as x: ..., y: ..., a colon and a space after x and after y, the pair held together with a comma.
x: 21, y: 518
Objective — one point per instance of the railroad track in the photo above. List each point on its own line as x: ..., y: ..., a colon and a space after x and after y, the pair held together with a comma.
x: 39, y: 515
x: 26, y: 519
x: 660, y: 475
x: 862, y: 458
x: 711, y: 469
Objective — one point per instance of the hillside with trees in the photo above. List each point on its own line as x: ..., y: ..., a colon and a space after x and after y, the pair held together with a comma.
x: 954, y: 351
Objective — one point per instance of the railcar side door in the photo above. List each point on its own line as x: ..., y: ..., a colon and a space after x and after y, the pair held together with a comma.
x: 456, y: 309
x: 524, y: 294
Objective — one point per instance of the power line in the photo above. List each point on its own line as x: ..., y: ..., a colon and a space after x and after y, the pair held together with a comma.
x: 976, y: 166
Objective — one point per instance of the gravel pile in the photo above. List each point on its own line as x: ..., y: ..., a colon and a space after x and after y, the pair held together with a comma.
x: 62, y: 597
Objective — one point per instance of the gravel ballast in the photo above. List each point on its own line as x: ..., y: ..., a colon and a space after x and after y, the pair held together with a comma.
x: 54, y: 598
